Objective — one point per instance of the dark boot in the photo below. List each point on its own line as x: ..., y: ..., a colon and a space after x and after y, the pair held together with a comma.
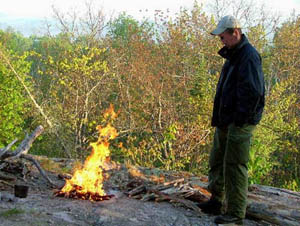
x: 212, y: 206
x: 227, y: 219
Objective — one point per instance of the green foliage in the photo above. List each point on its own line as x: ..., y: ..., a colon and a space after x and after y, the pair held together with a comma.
x: 260, y: 162
x: 14, y: 41
x: 13, y: 106
x: 293, y: 185
x: 73, y: 79
x: 123, y: 27
x: 275, y: 150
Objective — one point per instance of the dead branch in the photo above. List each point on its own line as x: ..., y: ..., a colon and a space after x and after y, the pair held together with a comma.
x: 5, y: 177
x: 2, y: 166
x: 148, y: 197
x: 64, y: 176
x: 137, y: 190
x: 174, y: 182
x: 27, y: 142
x: 38, y: 166
x: 24, y: 146
x: 4, y: 150
x: 7, y: 61
x: 7, y: 183
x: 22, y: 151
x: 187, y: 203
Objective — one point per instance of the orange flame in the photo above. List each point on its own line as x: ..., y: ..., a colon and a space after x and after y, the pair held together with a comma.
x: 110, y: 113
x: 89, y: 179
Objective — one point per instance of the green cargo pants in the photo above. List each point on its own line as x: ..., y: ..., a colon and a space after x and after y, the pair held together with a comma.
x: 228, y: 175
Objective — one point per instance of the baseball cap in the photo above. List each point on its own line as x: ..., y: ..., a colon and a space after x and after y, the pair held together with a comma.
x: 226, y: 22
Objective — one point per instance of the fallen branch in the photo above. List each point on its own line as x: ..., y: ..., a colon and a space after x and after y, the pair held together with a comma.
x: 187, y: 203
x: 5, y: 177
x: 25, y: 144
x: 64, y: 176
x: 148, y: 197
x: 137, y: 190
x: 174, y: 182
x: 172, y: 191
x: 38, y: 166
x: 4, y: 150
x: 7, y: 183
x: 23, y: 149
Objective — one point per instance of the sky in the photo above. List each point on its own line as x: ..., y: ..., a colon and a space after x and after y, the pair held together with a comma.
x: 42, y: 8
x: 21, y: 14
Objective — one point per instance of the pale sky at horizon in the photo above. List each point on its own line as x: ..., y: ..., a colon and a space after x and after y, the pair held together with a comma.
x: 42, y: 8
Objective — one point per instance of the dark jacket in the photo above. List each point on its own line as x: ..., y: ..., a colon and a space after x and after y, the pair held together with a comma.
x: 240, y: 95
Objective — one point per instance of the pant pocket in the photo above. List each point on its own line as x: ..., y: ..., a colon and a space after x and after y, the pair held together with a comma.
x: 238, y: 144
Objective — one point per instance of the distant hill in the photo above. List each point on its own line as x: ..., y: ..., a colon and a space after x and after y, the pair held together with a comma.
x: 27, y: 26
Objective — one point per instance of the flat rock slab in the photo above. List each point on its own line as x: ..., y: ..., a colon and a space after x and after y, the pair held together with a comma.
x: 43, y: 208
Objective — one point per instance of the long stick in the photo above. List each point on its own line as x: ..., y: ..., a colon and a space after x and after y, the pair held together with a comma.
x: 35, y: 162
x: 34, y: 101
x: 26, y: 89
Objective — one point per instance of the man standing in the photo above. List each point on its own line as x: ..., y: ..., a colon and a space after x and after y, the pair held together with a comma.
x: 238, y: 107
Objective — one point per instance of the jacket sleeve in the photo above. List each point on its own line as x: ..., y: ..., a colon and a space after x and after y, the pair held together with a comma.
x: 250, y: 86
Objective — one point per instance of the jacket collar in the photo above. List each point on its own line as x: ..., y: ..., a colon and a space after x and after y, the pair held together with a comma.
x: 230, y: 53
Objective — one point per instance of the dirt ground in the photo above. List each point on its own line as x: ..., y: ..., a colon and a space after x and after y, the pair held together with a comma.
x: 42, y: 207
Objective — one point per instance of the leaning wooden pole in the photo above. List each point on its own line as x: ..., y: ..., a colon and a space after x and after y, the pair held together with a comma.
x: 48, y: 121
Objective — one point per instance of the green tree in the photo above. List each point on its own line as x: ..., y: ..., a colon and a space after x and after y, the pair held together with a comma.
x: 74, y: 74
x: 13, y: 108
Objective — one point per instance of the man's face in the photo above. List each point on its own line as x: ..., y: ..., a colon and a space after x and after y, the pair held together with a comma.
x: 229, y: 40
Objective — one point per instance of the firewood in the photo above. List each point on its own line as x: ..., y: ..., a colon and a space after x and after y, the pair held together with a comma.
x: 139, y: 196
x: 4, y: 150
x: 7, y: 183
x: 161, y: 187
x: 64, y: 176
x: 6, y: 177
x: 184, y: 191
x: 38, y: 166
x: 174, y: 182
x: 137, y: 190
x: 148, y: 197
x: 23, y: 147
x: 2, y: 165
x: 187, y: 203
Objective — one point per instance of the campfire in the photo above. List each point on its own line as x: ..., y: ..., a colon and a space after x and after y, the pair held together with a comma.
x: 87, y: 181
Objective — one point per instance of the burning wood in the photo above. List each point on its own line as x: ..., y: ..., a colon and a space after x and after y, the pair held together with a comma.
x: 87, y: 182
x: 76, y: 193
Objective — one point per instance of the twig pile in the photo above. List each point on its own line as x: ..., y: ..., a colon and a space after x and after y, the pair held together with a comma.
x: 147, y: 186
